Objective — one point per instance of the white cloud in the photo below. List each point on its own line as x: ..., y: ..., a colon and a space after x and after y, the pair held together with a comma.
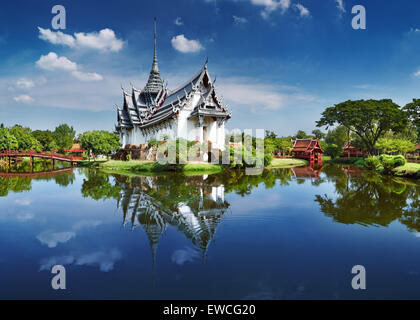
x: 184, y: 45
x: 304, y: 12
x: 57, y: 37
x: 24, y: 83
x: 239, y: 20
x: 180, y: 257
x: 87, y: 76
x: 340, y: 5
x: 24, y: 98
x: 261, y: 96
x: 417, y: 74
x: 104, y: 40
x: 178, y: 21
x: 53, y: 62
x: 271, y: 6
x: 52, y: 239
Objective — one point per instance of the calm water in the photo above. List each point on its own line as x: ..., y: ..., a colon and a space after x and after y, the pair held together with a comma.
x: 289, y: 234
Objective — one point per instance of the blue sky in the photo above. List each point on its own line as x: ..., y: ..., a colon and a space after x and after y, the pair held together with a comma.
x: 278, y: 63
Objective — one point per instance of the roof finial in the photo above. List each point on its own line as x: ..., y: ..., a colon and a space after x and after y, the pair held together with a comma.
x: 155, y: 63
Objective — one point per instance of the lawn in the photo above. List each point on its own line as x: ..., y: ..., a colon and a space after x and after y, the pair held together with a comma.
x: 151, y: 166
x: 409, y: 170
x: 286, y: 163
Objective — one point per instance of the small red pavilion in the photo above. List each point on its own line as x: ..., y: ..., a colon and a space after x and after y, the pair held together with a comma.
x: 349, y: 151
x: 308, y: 149
x: 76, y: 151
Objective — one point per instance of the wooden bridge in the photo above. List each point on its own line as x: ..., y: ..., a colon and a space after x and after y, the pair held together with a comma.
x: 7, y: 155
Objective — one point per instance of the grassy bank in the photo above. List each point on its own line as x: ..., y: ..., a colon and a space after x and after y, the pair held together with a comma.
x: 151, y: 166
x: 411, y: 170
x: 134, y: 166
x: 286, y: 163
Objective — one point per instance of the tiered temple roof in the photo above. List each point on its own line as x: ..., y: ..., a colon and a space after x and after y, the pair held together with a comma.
x: 156, y: 104
x: 307, y: 145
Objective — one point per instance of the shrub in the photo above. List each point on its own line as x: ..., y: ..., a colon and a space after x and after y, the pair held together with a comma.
x: 399, y: 161
x: 372, y: 163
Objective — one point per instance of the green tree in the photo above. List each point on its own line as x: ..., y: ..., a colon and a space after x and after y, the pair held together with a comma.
x: 318, y: 134
x: 338, y: 136
x: 100, y: 142
x: 46, y: 139
x: 64, y: 136
x: 7, y: 140
x: 25, y: 139
x: 302, y: 135
x: 368, y: 119
x: 413, y: 112
x: 333, y: 150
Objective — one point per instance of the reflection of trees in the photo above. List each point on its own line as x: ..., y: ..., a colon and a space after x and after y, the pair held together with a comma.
x: 98, y: 185
x: 14, y: 184
x: 20, y: 182
x: 367, y: 198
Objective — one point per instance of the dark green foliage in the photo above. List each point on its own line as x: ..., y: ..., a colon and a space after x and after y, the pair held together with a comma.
x: 368, y: 119
x: 333, y: 150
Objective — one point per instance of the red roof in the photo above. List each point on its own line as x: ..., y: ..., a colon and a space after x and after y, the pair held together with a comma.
x: 306, y: 145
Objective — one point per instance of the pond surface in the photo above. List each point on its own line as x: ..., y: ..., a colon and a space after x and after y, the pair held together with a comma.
x: 288, y: 234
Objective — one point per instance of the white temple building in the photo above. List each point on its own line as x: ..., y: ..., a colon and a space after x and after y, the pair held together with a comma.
x: 193, y: 111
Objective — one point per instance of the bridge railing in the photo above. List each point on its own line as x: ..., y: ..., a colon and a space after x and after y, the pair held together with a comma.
x: 51, y: 155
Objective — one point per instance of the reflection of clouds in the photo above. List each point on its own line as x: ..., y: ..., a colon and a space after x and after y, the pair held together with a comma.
x: 180, y: 257
x: 105, y: 260
x: 86, y: 224
x: 26, y: 216
x: 52, y: 239
x: 23, y: 202
x: 47, y: 264
x: 265, y: 291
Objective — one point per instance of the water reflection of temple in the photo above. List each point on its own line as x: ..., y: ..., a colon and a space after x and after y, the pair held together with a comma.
x: 192, y: 206
x: 308, y: 172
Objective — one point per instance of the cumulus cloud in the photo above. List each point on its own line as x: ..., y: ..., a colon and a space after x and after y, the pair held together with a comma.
x: 24, y: 98
x: 182, y: 44
x: 53, y: 62
x: 52, y: 239
x: 56, y: 37
x: 340, y: 5
x: 24, y: 83
x: 104, y: 40
x: 239, y: 20
x: 304, y: 12
x: 178, y: 21
x: 180, y: 257
x: 271, y: 6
